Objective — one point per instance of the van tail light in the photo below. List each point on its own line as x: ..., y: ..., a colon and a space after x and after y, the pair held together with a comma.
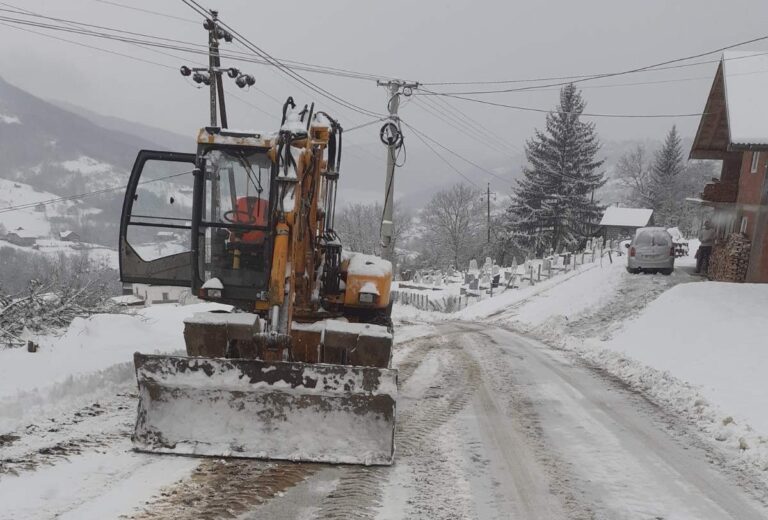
x: 631, y: 251
x: 672, y: 251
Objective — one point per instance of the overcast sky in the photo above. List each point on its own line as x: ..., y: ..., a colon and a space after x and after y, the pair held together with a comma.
x: 419, y: 40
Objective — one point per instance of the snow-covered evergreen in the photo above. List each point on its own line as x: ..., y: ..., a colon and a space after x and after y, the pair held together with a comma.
x: 665, y: 175
x: 553, y: 205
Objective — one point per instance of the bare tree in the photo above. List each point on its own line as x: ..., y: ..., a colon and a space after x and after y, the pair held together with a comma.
x: 452, y: 223
x: 634, y: 172
x: 359, y: 226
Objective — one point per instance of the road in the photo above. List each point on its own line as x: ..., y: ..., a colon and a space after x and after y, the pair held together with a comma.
x: 491, y: 424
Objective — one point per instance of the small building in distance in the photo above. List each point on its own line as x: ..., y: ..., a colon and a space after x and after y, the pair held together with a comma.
x: 158, y: 294
x: 734, y: 129
x: 20, y: 238
x: 69, y: 236
x: 619, y: 223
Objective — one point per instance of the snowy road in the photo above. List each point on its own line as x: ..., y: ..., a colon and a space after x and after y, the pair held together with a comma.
x: 491, y: 425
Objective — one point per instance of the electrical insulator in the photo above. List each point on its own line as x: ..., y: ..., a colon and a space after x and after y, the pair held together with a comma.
x: 245, y: 80
x: 185, y: 71
x: 233, y: 72
x: 199, y: 77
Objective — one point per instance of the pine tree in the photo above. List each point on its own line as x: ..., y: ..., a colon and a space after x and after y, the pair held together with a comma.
x: 665, y: 176
x: 553, y: 204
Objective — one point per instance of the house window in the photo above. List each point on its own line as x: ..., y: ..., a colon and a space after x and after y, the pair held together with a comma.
x: 755, y: 161
x: 165, y: 297
x: 744, y: 223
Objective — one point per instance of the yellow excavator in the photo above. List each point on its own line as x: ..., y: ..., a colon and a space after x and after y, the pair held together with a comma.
x: 296, y: 364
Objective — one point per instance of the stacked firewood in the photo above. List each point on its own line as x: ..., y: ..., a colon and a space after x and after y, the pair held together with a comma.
x: 730, y: 259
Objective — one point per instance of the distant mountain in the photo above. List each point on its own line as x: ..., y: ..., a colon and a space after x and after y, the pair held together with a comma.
x: 159, y: 138
x: 61, y: 153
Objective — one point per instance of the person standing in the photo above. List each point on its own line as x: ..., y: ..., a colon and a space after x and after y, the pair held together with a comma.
x: 706, y: 241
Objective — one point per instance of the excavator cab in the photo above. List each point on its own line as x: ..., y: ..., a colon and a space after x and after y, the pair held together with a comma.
x: 209, y: 212
x: 301, y: 371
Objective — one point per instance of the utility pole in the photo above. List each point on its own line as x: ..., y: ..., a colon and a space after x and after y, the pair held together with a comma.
x: 392, y: 136
x: 213, y: 74
x: 488, y: 194
x: 213, y: 54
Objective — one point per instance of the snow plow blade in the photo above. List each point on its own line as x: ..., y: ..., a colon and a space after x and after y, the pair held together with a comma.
x: 266, y: 410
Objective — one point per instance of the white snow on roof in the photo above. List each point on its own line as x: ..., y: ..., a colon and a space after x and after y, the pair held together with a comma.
x: 746, y: 94
x: 626, y: 217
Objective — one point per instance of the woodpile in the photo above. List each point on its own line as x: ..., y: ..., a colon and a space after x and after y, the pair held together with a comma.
x: 730, y: 259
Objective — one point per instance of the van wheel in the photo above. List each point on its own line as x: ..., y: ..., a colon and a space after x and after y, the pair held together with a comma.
x: 666, y: 272
x: 632, y: 271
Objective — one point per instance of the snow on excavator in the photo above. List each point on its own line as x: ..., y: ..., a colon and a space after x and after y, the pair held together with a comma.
x: 301, y: 369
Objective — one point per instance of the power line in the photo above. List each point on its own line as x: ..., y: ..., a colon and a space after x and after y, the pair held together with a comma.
x: 452, y: 108
x: 655, y: 66
x: 148, y: 11
x: 79, y: 196
x: 489, y: 138
x: 170, y: 43
x: 369, y: 123
x: 585, y: 114
x: 446, y: 161
x: 285, y: 69
x: 150, y: 62
x: 452, y: 152
x: 89, y: 46
x: 465, y: 131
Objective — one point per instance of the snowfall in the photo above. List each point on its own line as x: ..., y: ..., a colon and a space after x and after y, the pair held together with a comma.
x: 693, y: 347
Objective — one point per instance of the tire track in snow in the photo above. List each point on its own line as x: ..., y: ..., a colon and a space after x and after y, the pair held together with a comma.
x: 90, y: 428
x: 359, y: 492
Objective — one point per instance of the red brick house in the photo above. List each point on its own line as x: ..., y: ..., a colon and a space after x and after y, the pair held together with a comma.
x: 734, y: 130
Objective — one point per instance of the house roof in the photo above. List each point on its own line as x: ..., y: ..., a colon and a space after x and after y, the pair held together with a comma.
x: 626, y: 217
x: 736, y: 112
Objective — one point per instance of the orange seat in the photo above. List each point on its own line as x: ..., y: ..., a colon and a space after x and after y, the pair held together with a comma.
x: 252, y: 211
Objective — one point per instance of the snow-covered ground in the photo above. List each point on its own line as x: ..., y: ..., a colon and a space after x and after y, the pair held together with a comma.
x: 490, y: 423
x: 693, y: 346
x: 92, y: 353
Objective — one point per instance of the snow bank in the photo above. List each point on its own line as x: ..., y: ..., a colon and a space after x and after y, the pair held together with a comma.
x: 581, y: 293
x: 712, y: 335
x: 93, y: 354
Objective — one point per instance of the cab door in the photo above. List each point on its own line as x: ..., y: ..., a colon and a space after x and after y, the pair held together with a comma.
x: 156, y: 223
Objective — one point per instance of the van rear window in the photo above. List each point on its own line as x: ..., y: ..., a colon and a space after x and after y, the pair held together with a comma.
x: 652, y: 238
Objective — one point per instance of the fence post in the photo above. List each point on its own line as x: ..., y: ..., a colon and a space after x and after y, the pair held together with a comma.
x: 574, y: 262
x: 539, y: 277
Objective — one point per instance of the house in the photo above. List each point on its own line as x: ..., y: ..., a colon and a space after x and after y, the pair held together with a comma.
x: 620, y: 223
x: 69, y: 236
x: 20, y: 238
x: 734, y: 129
x: 155, y: 294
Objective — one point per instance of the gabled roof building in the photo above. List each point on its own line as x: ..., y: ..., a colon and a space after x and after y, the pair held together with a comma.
x: 734, y: 130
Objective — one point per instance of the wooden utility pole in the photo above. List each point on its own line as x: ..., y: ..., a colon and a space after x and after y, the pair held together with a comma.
x: 392, y: 137
x: 488, y: 194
